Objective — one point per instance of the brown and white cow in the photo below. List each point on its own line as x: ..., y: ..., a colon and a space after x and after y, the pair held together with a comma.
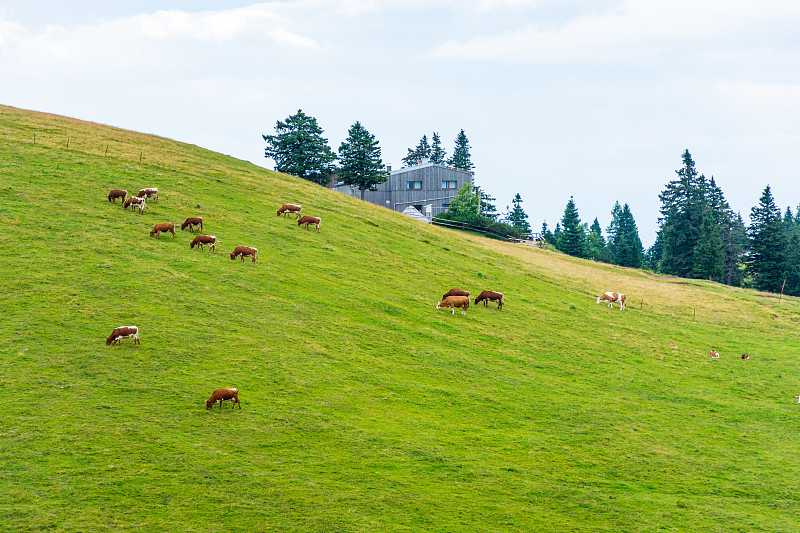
x: 490, y: 296
x: 134, y: 202
x: 714, y: 354
x: 163, y: 227
x: 306, y: 219
x: 745, y: 356
x: 200, y: 240
x: 150, y: 192
x: 224, y: 395
x: 455, y: 292
x: 612, y: 298
x: 191, y: 222
x: 123, y: 332
x: 451, y: 302
x: 244, y: 251
x: 290, y: 208
x: 113, y: 194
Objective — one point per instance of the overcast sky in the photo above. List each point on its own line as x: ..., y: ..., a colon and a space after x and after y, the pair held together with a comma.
x: 558, y: 98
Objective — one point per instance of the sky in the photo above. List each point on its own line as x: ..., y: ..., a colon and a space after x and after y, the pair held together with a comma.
x: 591, y: 99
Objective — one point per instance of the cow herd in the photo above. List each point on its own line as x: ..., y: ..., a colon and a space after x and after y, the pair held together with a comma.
x: 457, y: 298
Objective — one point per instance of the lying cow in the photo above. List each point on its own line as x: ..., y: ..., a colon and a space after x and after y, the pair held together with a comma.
x: 612, y: 298
x: 455, y: 292
x: 200, y: 240
x: 163, y: 227
x: 224, y: 395
x: 490, y: 296
x: 305, y: 219
x: 451, y: 302
x: 244, y: 251
x: 290, y: 208
x: 191, y: 222
x: 745, y: 356
x: 123, y: 332
x: 134, y: 202
x: 113, y: 194
x: 151, y: 192
x: 714, y: 354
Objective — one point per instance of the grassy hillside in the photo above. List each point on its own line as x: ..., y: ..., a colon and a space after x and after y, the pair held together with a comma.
x: 364, y: 408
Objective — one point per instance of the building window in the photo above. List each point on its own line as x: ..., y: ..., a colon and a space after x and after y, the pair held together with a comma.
x: 445, y: 206
x: 447, y: 184
x: 418, y: 207
x: 414, y: 185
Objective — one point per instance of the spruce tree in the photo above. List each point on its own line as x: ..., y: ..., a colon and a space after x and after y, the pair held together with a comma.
x: 461, y: 157
x: 517, y: 218
x: 360, y: 157
x: 420, y: 152
x: 572, y: 240
x: 596, y: 244
x: 298, y: 148
x: 438, y: 155
x: 548, y: 235
x: 768, y: 244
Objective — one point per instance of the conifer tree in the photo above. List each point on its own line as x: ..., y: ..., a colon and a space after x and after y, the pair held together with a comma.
x: 768, y: 244
x: 438, y: 154
x: 420, y: 152
x: 548, y: 235
x: 517, y: 218
x: 572, y: 240
x: 298, y: 148
x: 360, y: 157
x: 596, y: 244
x: 461, y: 157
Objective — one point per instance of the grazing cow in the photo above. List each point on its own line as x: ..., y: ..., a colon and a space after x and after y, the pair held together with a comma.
x: 673, y: 346
x: 191, y: 222
x: 113, y: 194
x: 244, y: 251
x: 490, y: 296
x: 305, y: 219
x: 163, y: 227
x: 123, y: 332
x: 200, y: 240
x: 745, y: 356
x: 134, y: 202
x: 612, y: 298
x: 224, y: 395
x: 455, y: 292
x: 290, y: 208
x: 714, y: 354
x: 451, y: 302
x: 149, y: 192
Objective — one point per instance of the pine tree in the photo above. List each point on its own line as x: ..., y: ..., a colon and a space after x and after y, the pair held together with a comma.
x: 487, y: 207
x: 596, y: 244
x: 298, y: 148
x: 420, y: 152
x: 438, y: 155
x: 734, y: 244
x: 360, y: 158
x: 548, y: 235
x: 461, y: 157
x: 768, y: 245
x: 517, y: 218
x: 572, y: 240
x: 624, y: 244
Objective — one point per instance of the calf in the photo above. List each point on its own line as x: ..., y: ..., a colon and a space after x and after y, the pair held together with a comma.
x: 290, y: 208
x: 244, y: 251
x: 151, y: 192
x: 612, y: 298
x: 200, y: 240
x: 455, y: 292
x: 224, y: 395
x: 490, y: 296
x: 305, y: 219
x: 163, y: 227
x: 123, y: 332
x: 191, y: 222
x: 451, y: 302
x: 113, y: 194
x: 714, y: 354
x: 134, y: 202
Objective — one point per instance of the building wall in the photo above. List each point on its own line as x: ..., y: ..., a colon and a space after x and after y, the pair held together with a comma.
x: 395, y: 194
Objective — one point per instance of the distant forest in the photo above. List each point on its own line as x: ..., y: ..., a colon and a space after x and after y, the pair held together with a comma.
x: 699, y: 237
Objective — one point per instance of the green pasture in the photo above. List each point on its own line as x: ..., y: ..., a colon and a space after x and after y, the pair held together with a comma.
x: 363, y: 407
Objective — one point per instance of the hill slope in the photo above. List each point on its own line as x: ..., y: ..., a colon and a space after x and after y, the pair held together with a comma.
x: 364, y: 408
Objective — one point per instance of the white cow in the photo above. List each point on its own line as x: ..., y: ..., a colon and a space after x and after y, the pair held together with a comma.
x: 612, y: 298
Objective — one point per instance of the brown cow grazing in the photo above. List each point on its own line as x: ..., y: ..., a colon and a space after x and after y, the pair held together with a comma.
x: 290, y: 208
x: 113, y: 194
x: 714, y: 354
x: 612, y: 297
x: 134, y: 202
x: 151, y: 192
x: 123, y: 332
x: 191, y: 222
x: 244, y: 251
x: 455, y: 292
x: 163, y: 227
x: 451, y: 302
x: 305, y: 219
x: 200, y: 240
x: 490, y: 296
x: 224, y: 395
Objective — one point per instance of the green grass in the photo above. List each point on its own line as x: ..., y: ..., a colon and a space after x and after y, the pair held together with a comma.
x: 364, y: 408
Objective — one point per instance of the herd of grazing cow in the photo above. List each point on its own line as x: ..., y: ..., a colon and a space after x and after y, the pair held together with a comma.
x: 457, y: 298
